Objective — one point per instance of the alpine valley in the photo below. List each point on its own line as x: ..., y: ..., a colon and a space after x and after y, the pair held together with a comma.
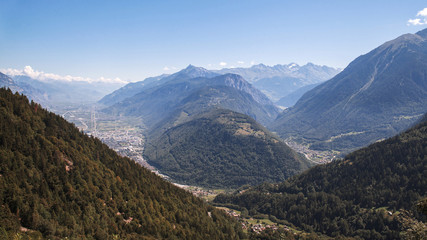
x: 225, y: 154
x: 197, y: 132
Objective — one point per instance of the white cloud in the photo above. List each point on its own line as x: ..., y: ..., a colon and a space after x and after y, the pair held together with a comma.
x: 11, y: 72
x: 42, y: 76
x: 223, y: 64
x: 421, y: 20
x: 252, y: 63
x: 107, y: 80
x: 422, y: 13
x: 416, y: 21
x: 166, y: 68
x: 240, y: 62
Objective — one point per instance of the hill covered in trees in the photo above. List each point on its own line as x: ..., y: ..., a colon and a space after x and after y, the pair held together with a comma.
x: 373, y: 193
x: 222, y: 148
x: 57, y: 182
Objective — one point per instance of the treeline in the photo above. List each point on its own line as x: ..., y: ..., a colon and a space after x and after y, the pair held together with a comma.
x: 57, y: 182
x: 369, y: 194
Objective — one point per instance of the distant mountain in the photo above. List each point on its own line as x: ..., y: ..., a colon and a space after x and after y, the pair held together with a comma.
x: 35, y: 94
x: 57, y: 183
x: 378, y: 95
x: 128, y: 90
x: 280, y: 80
x: 68, y: 92
x: 155, y: 103
x: 275, y: 82
x: 132, y: 89
x: 372, y: 193
x: 53, y: 93
x: 290, y: 99
x: 222, y: 149
x: 212, y: 97
x: 6, y: 81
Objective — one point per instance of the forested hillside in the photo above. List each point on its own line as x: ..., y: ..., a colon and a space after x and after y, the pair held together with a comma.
x: 57, y: 182
x: 224, y: 149
x: 373, y: 193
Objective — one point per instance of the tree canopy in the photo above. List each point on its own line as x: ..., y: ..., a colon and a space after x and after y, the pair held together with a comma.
x: 56, y: 182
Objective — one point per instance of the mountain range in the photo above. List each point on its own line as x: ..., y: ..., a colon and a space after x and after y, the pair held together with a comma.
x: 274, y: 81
x: 132, y: 89
x: 280, y: 80
x: 57, y: 92
x: 34, y: 94
x: 54, y: 93
x: 162, y: 98
x: 378, y: 95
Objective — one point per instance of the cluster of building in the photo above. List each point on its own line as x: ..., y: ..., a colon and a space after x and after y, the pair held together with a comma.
x: 127, y: 143
x: 319, y: 157
x: 257, y: 228
x: 196, y: 191
x: 200, y: 192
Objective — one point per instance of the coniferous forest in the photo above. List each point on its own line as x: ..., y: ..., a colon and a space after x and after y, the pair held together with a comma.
x: 223, y: 149
x: 374, y: 193
x: 57, y: 182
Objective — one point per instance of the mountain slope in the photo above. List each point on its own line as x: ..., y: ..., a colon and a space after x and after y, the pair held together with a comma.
x: 56, y: 92
x: 290, y: 99
x: 378, y: 95
x: 128, y: 90
x: 34, y: 94
x: 279, y: 80
x: 53, y: 93
x: 221, y: 148
x: 58, y: 182
x: 157, y: 103
x: 213, y: 97
x: 372, y: 193
x: 275, y: 81
x: 132, y: 89
x: 6, y: 81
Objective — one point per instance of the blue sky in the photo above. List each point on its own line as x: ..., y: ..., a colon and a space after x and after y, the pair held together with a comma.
x: 132, y: 40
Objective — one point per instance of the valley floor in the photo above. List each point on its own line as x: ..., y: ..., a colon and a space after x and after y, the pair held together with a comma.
x: 318, y: 157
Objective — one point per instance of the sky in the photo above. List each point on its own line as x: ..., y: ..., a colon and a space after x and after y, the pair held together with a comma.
x: 131, y: 40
